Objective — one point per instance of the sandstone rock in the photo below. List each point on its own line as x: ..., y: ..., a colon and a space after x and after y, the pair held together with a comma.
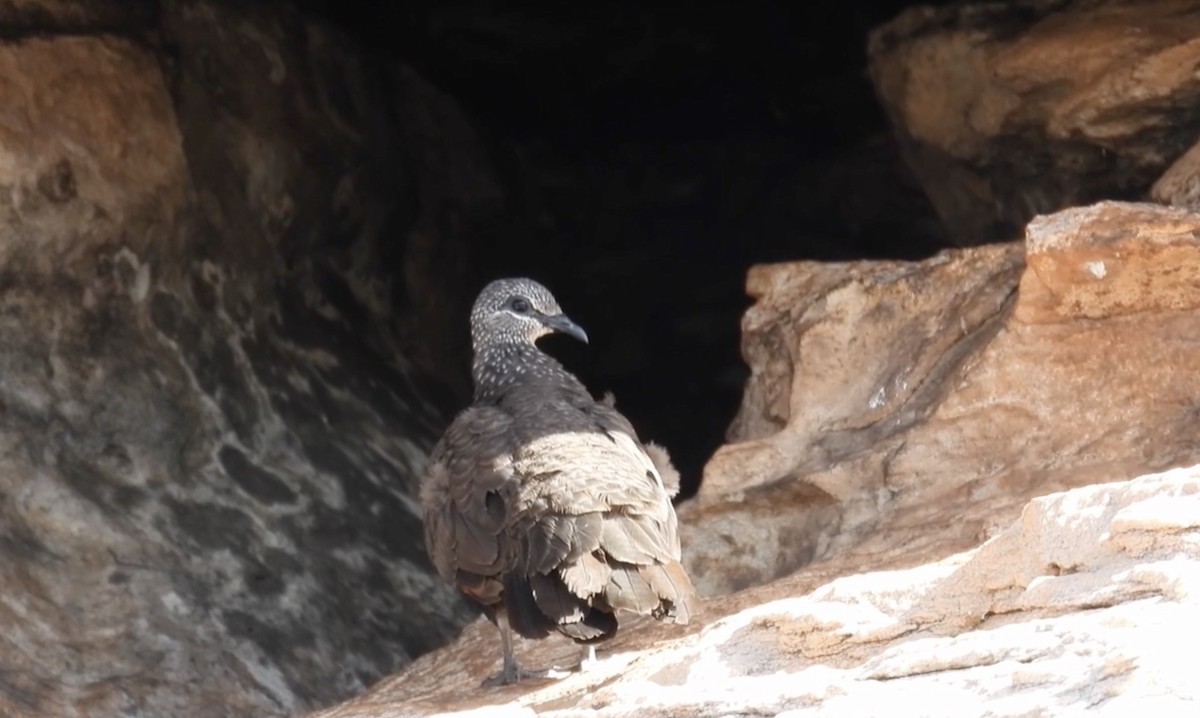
x: 1077, y: 606
x: 1179, y: 186
x: 1007, y: 110
x: 843, y: 356
x: 210, y: 435
x: 73, y: 174
x: 944, y: 391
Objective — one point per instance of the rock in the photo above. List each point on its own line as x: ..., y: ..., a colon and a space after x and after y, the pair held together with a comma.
x: 368, y: 181
x: 70, y: 184
x: 1110, y: 261
x: 952, y: 390
x: 1076, y: 606
x: 1007, y: 110
x: 211, y: 430
x: 1179, y: 186
x: 33, y: 17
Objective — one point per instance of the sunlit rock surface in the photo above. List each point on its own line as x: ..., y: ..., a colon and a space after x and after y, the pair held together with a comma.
x: 1078, y: 606
x: 949, y: 392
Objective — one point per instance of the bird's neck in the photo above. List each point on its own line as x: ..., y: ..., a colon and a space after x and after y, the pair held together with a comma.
x: 502, y: 369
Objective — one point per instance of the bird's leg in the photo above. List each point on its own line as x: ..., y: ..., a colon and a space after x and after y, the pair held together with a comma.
x: 589, y: 660
x: 512, y: 671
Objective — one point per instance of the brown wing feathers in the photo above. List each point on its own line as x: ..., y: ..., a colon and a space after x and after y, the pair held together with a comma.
x: 557, y: 569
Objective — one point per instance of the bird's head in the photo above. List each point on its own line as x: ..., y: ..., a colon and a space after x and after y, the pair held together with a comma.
x: 518, y: 311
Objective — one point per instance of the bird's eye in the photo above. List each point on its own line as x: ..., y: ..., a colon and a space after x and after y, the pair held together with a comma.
x: 520, y: 305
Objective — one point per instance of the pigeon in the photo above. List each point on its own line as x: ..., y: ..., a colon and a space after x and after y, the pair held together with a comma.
x: 540, y: 503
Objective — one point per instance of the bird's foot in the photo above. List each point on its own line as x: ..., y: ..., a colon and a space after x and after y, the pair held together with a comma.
x: 517, y: 673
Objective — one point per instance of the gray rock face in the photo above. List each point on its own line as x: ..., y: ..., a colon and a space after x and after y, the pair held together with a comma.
x: 210, y: 422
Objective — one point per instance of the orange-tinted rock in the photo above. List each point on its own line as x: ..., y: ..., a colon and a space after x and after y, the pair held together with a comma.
x: 1110, y: 260
x: 90, y: 153
x: 1007, y: 110
x: 1179, y: 186
x: 949, y: 392
x: 844, y: 358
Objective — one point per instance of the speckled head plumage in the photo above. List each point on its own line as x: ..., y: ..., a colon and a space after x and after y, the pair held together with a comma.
x: 517, y: 311
x: 508, y: 318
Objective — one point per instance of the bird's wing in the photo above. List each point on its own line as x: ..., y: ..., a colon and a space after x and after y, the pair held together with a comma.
x: 605, y: 413
x: 596, y: 514
x: 467, y: 487
x: 579, y: 472
x: 585, y: 509
x: 595, y: 488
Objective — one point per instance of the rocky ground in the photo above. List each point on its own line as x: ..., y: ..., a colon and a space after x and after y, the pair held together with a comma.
x: 1076, y: 607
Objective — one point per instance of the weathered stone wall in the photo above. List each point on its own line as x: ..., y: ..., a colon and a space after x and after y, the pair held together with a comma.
x: 217, y: 381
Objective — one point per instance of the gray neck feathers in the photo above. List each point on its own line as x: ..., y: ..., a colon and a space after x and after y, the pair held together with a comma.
x: 501, y: 368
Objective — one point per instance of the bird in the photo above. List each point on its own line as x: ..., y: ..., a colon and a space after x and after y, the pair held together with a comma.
x: 540, y: 503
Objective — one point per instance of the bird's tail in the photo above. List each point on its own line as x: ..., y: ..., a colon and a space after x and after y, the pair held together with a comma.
x: 538, y: 604
x: 677, y: 597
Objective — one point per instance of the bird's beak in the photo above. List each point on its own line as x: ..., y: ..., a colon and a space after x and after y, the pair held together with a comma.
x: 561, y: 323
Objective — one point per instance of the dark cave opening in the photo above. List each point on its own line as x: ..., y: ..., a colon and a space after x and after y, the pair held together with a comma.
x: 650, y: 154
